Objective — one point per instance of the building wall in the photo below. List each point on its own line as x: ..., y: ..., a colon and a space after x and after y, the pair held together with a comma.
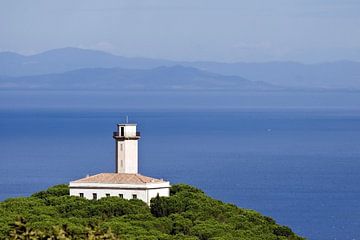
x: 127, y: 156
x: 129, y: 130
x: 88, y: 193
x: 131, y: 156
x: 163, y: 192
x: 142, y: 194
x: 120, y: 157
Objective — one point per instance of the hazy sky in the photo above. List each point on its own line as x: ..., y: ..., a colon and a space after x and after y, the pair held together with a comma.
x: 222, y: 30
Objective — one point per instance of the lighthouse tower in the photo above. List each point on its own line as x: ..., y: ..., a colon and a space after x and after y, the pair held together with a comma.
x: 126, y: 148
x: 125, y: 182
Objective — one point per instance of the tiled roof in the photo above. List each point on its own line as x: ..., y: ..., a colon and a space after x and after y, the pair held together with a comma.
x: 118, y: 178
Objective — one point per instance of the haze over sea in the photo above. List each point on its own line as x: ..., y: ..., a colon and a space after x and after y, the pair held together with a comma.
x: 298, y: 165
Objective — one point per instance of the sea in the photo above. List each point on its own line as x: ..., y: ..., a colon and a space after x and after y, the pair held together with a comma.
x: 299, y: 166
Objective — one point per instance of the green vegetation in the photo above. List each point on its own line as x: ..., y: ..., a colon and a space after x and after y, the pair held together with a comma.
x: 187, y: 214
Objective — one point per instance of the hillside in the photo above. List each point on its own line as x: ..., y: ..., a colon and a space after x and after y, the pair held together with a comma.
x: 161, y: 78
x: 187, y: 214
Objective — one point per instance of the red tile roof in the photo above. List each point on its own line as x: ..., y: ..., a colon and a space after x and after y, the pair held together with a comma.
x: 119, y: 178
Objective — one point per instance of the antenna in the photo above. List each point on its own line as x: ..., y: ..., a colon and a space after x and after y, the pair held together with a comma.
x: 127, y: 119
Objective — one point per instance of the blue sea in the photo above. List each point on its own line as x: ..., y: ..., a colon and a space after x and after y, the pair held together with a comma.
x: 301, y: 167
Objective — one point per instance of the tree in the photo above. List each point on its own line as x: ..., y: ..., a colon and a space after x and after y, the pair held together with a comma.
x: 188, y: 214
x: 159, y: 206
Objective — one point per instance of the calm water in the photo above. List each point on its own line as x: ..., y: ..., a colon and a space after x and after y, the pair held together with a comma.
x: 300, y: 167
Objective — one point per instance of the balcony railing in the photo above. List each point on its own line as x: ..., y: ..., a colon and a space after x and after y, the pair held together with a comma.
x: 117, y: 134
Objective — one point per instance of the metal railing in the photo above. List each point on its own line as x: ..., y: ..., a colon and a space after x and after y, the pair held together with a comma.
x: 117, y: 134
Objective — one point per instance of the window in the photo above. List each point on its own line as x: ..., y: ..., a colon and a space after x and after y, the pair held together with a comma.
x: 81, y: 194
x: 121, y: 195
x: 122, y: 131
x: 108, y: 195
x: 94, y: 196
x: 134, y: 196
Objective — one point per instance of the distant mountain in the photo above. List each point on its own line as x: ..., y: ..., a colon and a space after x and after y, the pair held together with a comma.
x: 161, y: 78
x: 68, y: 59
x: 331, y: 75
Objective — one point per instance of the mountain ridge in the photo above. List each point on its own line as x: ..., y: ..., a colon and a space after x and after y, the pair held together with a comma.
x: 342, y: 74
x: 160, y: 78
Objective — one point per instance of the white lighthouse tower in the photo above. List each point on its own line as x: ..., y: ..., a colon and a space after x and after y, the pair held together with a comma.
x: 125, y: 182
x: 126, y: 148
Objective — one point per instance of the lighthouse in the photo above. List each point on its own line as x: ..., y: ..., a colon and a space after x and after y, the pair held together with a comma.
x: 125, y: 182
x: 126, y: 148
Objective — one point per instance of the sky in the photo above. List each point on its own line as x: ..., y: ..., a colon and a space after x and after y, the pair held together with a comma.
x: 225, y: 31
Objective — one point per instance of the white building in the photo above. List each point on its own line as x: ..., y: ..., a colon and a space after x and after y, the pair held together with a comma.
x: 126, y: 182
